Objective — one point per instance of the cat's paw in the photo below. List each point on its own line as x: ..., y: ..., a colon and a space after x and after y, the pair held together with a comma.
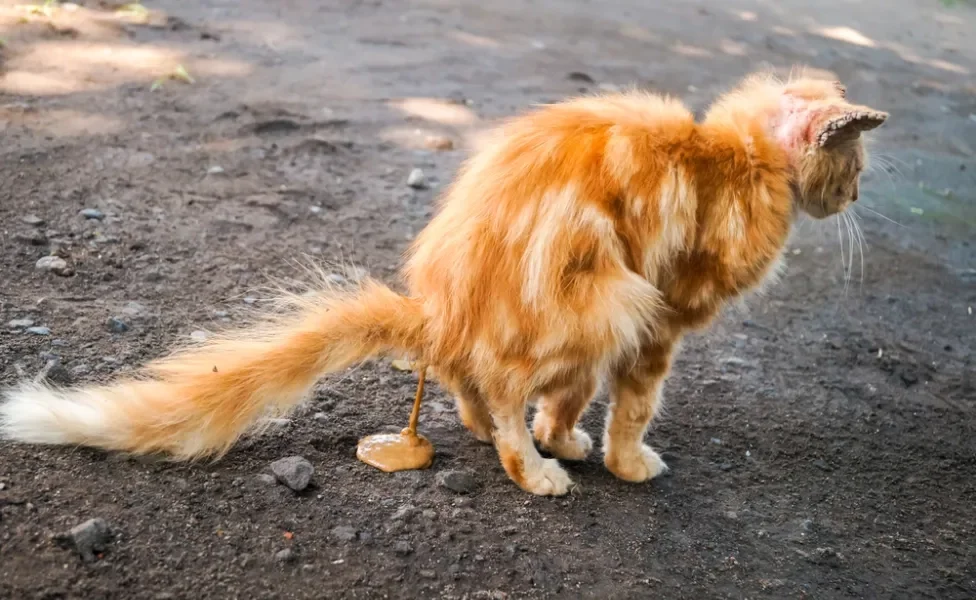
x: 550, y: 479
x: 639, y: 464
x: 575, y: 445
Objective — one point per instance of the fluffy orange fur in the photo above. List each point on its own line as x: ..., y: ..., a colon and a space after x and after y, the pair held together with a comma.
x: 578, y: 247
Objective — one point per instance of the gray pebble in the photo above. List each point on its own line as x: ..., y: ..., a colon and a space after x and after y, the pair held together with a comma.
x: 250, y: 300
x: 92, y: 213
x: 32, y: 220
x: 462, y: 482
x: 56, y: 373
x: 293, y: 471
x: 344, y: 533
x: 117, y: 325
x: 321, y: 416
x: 265, y: 479
x: 402, y: 548
x: 19, y: 323
x: 90, y: 537
x: 38, y: 330
x: 55, y: 264
x: 284, y: 556
x: 417, y: 180
x: 81, y: 369
x: 134, y: 309
x: 404, y: 512
x: 199, y: 336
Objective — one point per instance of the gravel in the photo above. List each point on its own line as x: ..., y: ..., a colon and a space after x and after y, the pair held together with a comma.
x: 417, y: 180
x: 19, y: 323
x: 293, y: 471
x: 38, y: 330
x: 54, y: 264
x: 88, y: 539
x: 462, y: 482
x: 92, y: 213
x: 344, y: 533
x: 117, y: 325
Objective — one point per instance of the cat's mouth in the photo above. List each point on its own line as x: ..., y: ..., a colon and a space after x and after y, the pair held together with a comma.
x: 822, y: 210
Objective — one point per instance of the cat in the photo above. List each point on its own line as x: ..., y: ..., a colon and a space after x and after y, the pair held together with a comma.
x: 579, y: 246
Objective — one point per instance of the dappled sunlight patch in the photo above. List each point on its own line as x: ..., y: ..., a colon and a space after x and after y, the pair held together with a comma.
x: 437, y: 110
x: 732, y: 47
x: 418, y: 138
x: 471, y: 39
x: 636, y: 32
x: 67, y: 66
x: 221, y: 67
x: 846, y: 34
x: 690, y: 51
x: 64, y: 123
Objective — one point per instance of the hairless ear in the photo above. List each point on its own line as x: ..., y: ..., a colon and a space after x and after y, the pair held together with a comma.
x: 848, y: 125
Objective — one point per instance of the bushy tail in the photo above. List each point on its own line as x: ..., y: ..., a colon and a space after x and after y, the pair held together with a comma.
x: 199, y: 401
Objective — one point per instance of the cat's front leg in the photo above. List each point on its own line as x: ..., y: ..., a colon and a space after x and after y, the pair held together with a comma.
x: 523, y: 463
x: 635, y: 398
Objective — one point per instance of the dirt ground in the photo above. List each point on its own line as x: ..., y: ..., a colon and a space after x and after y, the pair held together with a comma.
x: 822, y: 438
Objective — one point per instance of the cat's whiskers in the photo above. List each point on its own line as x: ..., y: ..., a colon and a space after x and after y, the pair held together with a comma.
x: 861, y: 243
x: 871, y: 210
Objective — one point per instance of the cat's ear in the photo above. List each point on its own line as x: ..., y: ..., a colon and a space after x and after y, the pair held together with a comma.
x: 847, y: 124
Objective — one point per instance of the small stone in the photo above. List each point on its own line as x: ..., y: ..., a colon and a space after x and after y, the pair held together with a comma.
x: 34, y: 238
x: 417, y: 180
x: 54, y: 264
x: 56, y: 373
x: 199, y: 336
x: 439, y: 142
x: 80, y: 369
x: 404, y: 512
x: 32, y: 220
x: 344, y: 533
x: 461, y: 482
x: 117, y: 325
x: 265, y: 479
x: 221, y: 314
x: 827, y: 556
x: 427, y: 574
x: 89, y: 538
x: 38, y: 330
x: 250, y: 300
x: 402, y: 548
x: 19, y: 323
x: 580, y: 77
x: 717, y: 441
x: 429, y: 514
x: 284, y: 556
x: 215, y: 170
x: 92, y: 213
x: 134, y: 310
x: 321, y: 416
x: 293, y: 471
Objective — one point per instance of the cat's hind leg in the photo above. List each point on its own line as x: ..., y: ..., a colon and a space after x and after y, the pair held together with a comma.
x: 634, y: 400
x: 555, y: 420
x: 474, y: 414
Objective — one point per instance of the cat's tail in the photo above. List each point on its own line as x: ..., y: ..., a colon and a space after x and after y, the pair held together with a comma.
x: 198, y: 401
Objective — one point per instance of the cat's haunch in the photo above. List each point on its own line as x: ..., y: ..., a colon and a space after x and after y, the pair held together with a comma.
x: 579, y: 246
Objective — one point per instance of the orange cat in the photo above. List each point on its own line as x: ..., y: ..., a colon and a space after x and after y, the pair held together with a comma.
x: 580, y: 246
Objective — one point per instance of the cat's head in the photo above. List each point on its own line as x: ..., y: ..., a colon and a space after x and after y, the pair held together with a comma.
x: 823, y: 132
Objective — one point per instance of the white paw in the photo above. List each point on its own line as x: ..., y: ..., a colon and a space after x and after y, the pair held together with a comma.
x: 548, y: 480
x: 639, y: 464
x: 575, y: 446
